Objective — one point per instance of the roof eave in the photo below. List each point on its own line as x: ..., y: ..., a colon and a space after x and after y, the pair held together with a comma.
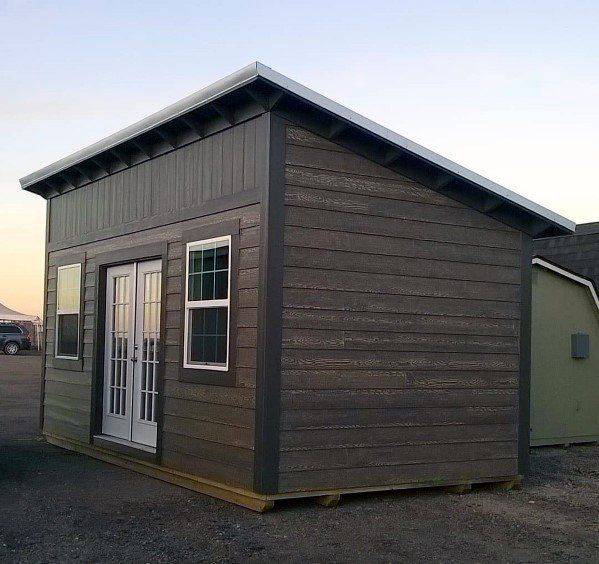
x: 253, y: 72
x: 410, y: 146
x: 196, y: 100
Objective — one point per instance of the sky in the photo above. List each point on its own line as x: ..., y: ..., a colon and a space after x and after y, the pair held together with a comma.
x: 507, y: 89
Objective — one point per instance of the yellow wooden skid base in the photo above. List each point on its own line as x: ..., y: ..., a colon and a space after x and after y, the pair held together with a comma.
x: 331, y: 500
x: 508, y: 485
x: 246, y: 498
x: 459, y: 489
x: 238, y: 496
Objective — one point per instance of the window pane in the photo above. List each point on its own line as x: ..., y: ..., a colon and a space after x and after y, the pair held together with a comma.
x: 210, y: 349
x: 208, y: 286
x: 222, y: 258
x: 196, y: 349
x: 208, y: 260
x: 208, y: 335
x: 68, y: 335
x: 208, y: 272
x: 210, y: 321
x: 221, y: 283
x: 221, y: 350
x: 68, y: 288
x: 196, y: 332
x: 195, y: 261
x: 223, y: 319
x: 195, y: 287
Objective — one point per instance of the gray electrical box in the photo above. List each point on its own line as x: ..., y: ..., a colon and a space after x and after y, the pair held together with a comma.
x: 580, y: 345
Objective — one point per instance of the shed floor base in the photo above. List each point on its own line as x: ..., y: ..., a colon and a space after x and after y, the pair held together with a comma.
x: 565, y: 441
x: 246, y: 498
x: 238, y: 496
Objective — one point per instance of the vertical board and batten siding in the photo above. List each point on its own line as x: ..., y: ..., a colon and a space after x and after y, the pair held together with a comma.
x: 207, y: 430
x: 401, y: 324
x: 186, y: 179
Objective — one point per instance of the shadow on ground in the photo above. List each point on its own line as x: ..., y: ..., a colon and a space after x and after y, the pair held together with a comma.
x: 56, y: 505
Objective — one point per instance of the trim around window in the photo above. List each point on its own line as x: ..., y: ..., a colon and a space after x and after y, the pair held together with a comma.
x: 208, y: 295
x: 208, y: 332
x: 68, y: 307
x: 55, y: 359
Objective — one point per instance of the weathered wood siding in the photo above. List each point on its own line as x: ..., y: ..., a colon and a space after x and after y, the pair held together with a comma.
x: 401, y: 319
x: 208, y: 430
x: 578, y: 252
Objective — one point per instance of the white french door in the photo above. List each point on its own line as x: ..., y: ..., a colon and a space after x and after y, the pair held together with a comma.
x: 131, y: 351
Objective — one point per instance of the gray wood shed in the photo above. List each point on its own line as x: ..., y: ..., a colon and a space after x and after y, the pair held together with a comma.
x: 258, y: 294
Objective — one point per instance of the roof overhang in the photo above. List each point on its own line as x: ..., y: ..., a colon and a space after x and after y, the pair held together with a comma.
x: 257, y: 88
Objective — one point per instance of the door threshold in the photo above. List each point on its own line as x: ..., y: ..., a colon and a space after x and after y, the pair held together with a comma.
x: 125, y: 442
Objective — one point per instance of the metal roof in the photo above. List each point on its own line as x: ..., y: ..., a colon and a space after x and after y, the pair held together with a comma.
x: 257, y: 71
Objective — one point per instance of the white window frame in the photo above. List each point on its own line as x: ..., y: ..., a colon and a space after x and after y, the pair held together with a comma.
x: 67, y: 312
x: 205, y: 304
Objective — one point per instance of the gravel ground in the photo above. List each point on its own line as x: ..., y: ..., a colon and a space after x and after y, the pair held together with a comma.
x: 59, y: 506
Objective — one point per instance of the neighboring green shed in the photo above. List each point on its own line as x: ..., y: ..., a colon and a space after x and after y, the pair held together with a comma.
x: 565, y: 358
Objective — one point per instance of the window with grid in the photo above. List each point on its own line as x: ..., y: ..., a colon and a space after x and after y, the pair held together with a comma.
x: 68, y: 301
x: 207, y: 304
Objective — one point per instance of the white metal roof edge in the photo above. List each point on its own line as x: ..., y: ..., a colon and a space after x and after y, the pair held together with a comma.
x: 200, y: 98
x: 249, y: 73
x: 567, y: 274
x: 407, y: 144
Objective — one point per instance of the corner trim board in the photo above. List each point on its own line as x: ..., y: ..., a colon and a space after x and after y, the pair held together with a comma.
x: 270, y: 300
x: 45, y: 321
x: 525, y: 356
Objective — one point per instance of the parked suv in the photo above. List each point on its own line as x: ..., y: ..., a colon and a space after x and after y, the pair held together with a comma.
x: 13, y: 338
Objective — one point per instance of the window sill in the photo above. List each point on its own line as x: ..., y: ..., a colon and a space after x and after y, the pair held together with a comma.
x: 67, y: 363
x: 208, y: 376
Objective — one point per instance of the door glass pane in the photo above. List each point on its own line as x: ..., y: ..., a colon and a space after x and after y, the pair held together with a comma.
x: 150, y: 342
x: 119, y: 346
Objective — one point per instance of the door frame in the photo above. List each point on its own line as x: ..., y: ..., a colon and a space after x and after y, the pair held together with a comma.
x: 102, y: 261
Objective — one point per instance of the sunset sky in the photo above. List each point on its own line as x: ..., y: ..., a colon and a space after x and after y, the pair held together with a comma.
x: 508, y: 89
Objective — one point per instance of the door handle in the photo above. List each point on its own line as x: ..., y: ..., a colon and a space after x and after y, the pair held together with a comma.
x: 133, y: 359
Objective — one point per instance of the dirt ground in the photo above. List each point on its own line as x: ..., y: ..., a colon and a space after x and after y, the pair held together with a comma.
x: 55, y: 505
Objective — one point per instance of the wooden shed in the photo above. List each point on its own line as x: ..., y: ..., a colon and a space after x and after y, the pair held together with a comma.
x: 259, y: 294
x: 564, y: 403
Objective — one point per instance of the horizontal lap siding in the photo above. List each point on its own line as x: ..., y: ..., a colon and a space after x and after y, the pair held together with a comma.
x: 401, y: 321
x: 208, y: 430
x: 67, y: 393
